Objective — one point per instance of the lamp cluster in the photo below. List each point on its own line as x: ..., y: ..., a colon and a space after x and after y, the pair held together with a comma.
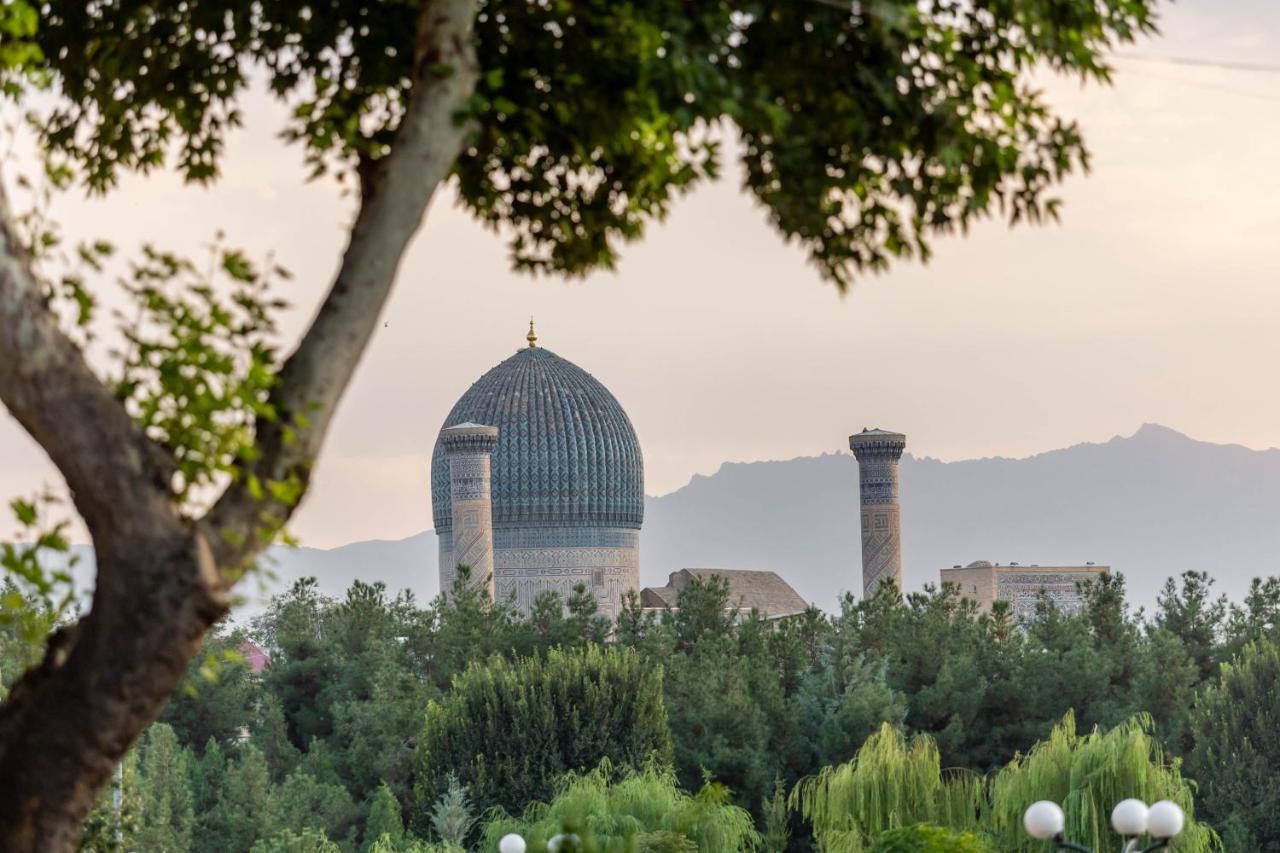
x: 1045, y: 821
x: 1130, y: 819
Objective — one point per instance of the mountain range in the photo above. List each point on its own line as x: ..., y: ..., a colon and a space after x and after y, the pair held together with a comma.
x: 1150, y: 505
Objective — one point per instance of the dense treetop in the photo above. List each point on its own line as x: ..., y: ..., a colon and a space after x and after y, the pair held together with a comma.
x: 865, y: 127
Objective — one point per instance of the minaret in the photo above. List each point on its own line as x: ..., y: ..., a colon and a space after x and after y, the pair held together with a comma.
x: 469, y: 447
x: 878, y: 452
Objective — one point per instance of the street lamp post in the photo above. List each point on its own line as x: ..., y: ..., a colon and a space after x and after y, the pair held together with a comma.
x: 1131, y: 819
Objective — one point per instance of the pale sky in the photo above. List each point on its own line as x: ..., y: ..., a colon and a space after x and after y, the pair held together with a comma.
x: 1155, y: 299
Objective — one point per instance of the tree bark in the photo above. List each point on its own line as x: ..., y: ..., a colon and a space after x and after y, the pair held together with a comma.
x: 162, y: 579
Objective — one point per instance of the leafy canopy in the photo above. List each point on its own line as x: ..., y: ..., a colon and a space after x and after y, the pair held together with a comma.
x: 865, y: 127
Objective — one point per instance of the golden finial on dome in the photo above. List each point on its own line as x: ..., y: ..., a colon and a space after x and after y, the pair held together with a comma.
x: 532, y: 337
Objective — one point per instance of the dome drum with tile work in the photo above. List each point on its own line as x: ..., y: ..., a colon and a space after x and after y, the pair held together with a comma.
x: 567, y: 481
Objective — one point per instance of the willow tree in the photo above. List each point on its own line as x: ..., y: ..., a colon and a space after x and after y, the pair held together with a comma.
x: 893, y: 784
x: 1087, y: 775
x: 890, y: 784
x: 626, y: 809
x: 866, y: 129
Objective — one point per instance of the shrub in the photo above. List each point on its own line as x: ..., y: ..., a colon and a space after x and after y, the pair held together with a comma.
x: 927, y: 838
x: 510, y: 729
x: 632, y: 810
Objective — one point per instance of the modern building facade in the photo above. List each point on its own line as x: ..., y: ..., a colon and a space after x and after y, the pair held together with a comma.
x: 878, y: 452
x: 566, y: 482
x: 1021, y: 586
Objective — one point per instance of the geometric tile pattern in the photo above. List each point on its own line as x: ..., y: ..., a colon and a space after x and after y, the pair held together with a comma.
x: 467, y: 448
x: 567, y: 452
x: 565, y: 483
x: 522, y: 571
x: 878, y: 452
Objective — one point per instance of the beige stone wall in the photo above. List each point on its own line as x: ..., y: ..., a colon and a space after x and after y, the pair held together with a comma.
x: 1021, y: 585
x: 469, y: 448
x: 881, y: 547
x: 977, y: 584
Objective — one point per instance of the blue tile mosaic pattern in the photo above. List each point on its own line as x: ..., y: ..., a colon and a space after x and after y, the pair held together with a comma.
x: 567, y: 454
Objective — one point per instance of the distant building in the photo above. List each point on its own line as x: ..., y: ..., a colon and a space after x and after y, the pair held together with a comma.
x: 537, y: 484
x: 986, y: 583
x: 748, y: 590
x: 254, y: 656
x: 878, y: 452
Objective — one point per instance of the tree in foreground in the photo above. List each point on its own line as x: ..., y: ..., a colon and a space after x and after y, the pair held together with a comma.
x: 1235, y: 729
x: 630, y: 809
x: 866, y: 129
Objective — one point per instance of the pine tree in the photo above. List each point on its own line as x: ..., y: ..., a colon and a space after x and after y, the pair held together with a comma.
x: 384, y: 819
x: 451, y: 816
x: 243, y: 811
x: 164, y: 786
x: 271, y: 736
x: 1236, y: 735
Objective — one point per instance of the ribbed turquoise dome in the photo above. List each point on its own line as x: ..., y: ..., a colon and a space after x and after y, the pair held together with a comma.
x: 567, y: 454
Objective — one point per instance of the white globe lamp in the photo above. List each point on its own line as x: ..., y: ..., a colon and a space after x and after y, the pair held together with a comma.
x: 1044, y: 820
x: 1165, y: 819
x: 1129, y: 818
x: 511, y: 843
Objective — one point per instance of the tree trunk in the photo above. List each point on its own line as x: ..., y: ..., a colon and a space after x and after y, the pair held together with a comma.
x: 163, y: 580
x: 70, y: 720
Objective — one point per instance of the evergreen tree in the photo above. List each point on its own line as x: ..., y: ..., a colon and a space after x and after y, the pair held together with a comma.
x: 1256, y: 618
x: 384, y: 820
x: 208, y: 777
x: 271, y: 737
x: 1192, y: 615
x: 451, y: 816
x: 242, y: 813
x: 164, y: 791
x: 509, y: 730
x: 304, y: 802
x: 1236, y: 735
x: 214, y: 700
x: 287, y: 841
x: 585, y: 625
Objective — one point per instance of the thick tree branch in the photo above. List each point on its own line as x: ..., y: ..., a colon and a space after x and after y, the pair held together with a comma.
x: 114, y: 472
x: 69, y: 720
x: 395, y: 194
x: 161, y: 582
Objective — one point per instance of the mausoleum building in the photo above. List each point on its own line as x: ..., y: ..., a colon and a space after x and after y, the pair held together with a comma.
x: 565, y: 482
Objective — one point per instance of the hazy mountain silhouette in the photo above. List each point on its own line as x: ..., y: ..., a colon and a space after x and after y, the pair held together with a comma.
x: 1151, y: 505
